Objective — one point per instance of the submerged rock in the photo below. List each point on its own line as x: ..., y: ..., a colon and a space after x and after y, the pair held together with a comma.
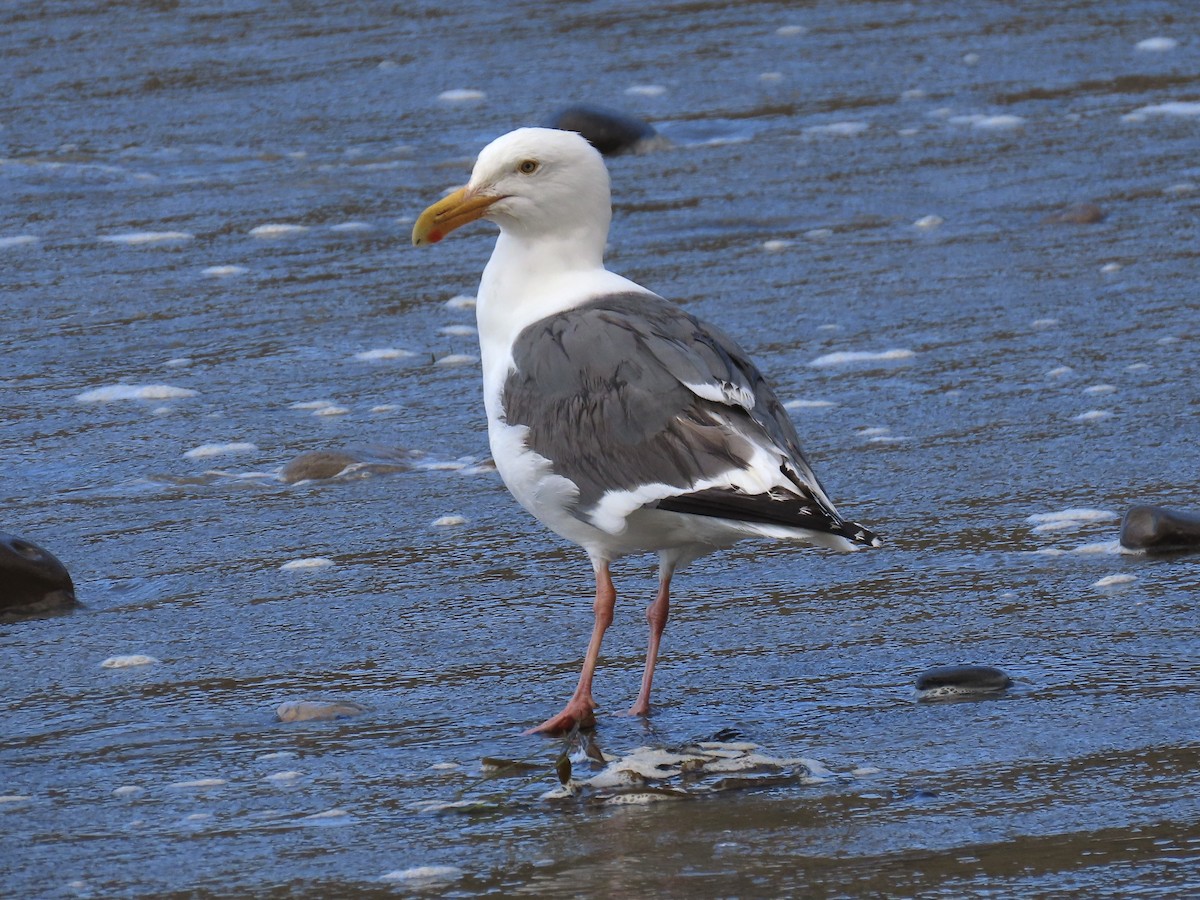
x: 33, y: 582
x: 317, y: 710
x: 961, y: 681
x: 1158, y: 530
x: 317, y: 466
x: 609, y: 131
x: 1076, y: 214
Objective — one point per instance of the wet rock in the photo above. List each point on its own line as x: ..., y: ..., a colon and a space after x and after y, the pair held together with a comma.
x: 317, y: 710
x: 1158, y: 530
x: 317, y: 466
x: 32, y: 580
x: 1076, y: 214
x: 607, y: 130
x: 961, y: 681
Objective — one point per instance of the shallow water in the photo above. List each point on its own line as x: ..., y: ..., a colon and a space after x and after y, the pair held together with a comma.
x: 144, y: 144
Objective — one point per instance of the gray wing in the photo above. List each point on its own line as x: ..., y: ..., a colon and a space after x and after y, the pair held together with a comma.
x: 628, y: 391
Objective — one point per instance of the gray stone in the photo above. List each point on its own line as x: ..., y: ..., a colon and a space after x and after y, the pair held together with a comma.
x: 1156, y: 529
x: 33, y: 582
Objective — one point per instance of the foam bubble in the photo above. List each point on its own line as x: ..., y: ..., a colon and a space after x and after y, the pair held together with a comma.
x: 18, y: 240
x: 818, y: 234
x: 332, y: 410
x: 383, y: 353
x: 838, y: 129
x: 308, y: 562
x: 771, y: 77
x: 776, y: 246
x: 148, y: 238
x: 423, y: 874
x: 1103, y: 548
x: 128, y: 661
x: 134, y: 392
x: 646, y: 90
x: 457, y: 359
x: 808, y: 404
x: 206, y: 450
x: 277, y: 230
x: 128, y: 790
x: 311, y: 404
x: 223, y: 271
x: 449, y: 521
x: 277, y: 754
x: 461, y: 95
x: 928, y: 222
x: 284, y: 777
x: 845, y: 357
x: 1060, y: 372
x: 1156, y: 44
x: 352, y: 226
x: 1093, y: 415
x: 913, y: 94
x: 1114, y: 581
x: 791, y: 30
x: 1075, y: 515
x: 1110, y: 268
x: 1190, y: 109
x: 459, y: 330
x: 1005, y: 122
x: 1045, y: 323
x: 1100, y: 389
x: 384, y: 408
x: 198, y: 783
x: 461, y: 301
x: 329, y: 816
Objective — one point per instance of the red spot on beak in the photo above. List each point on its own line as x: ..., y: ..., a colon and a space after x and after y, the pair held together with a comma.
x: 434, y: 237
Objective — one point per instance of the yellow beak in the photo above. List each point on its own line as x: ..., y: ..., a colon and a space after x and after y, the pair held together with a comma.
x: 449, y: 213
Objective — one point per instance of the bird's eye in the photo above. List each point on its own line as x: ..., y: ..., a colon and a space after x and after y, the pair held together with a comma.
x: 528, y: 166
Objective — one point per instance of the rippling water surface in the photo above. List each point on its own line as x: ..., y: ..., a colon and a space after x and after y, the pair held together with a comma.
x: 844, y: 178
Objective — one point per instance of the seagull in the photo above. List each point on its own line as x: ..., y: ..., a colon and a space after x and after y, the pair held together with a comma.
x: 621, y: 422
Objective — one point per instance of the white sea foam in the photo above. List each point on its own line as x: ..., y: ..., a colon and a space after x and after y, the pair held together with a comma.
x: 808, y: 404
x: 423, y: 874
x: 449, y: 521
x: 1114, y: 581
x: 148, y: 238
x: 1060, y: 372
x: 1100, y: 389
x: 776, y: 246
x: 128, y: 661
x: 311, y: 404
x: 383, y: 353
x: 845, y: 357
x: 223, y: 271
x: 457, y: 359
x: 199, y: 783
x: 1045, y: 323
x: 1110, y: 268
x: 352, y: 226
x: 459, y: 330
x: 1156, y: 44
x: 206, y: 450
x: 284, y: 777
x: 1075, y: 515
x: 332, y: 410
x: 134, y: 392
x: 1137, y: 367
x: 818, y: 234
x: 308, y: 562
x: 461, y: 95
x: 1005, y: 122
x: 791, y: 30
x: 18, y: 240
x: 770, y: 77
x: 384, y: 408
x: 838, y: 129
x: 1093, y: 415
x: 461, y: 301
x: 913, y: 94
x: 128, y: 790
x: 177, y: 362
x: 928, y: 222
x: 645, y: 90
x: 1185, y: 108
x: 273, y: 230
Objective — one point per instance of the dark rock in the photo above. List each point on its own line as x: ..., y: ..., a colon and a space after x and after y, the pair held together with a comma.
x: 957, y: 681
x: 607, y: 130
x: 1076, y: 214
x: 1160, y: 530
x: 32, y: 581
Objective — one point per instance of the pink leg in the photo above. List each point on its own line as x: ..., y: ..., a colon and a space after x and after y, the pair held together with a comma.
x: 578, y: 710
x: 656, y: 615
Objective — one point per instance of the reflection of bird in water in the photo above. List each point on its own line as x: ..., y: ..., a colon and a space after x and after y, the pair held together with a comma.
x: 620, y: 421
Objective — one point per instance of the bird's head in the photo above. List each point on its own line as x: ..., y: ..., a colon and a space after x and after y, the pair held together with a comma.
x: 531, y: 182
